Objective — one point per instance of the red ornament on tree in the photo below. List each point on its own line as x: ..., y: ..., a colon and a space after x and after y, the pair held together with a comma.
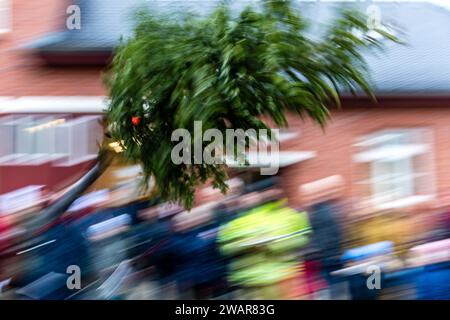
x: 136, y: 120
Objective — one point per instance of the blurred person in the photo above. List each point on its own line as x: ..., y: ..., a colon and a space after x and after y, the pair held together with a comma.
x: 153, y: 225
x: 262, y: 243
x: 202, y: 269
x: 45, y: 259
x: 5, y: 242
x: 323, y: 208
x: 152, y: 247
x: 314, y: 282
x: 441, y: 226
x: 5, y: 229
x: 70, y: 240
x: 432, y: 262
x: 226, y: 206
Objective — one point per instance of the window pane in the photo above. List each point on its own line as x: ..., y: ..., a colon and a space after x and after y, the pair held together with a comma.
x: 394, y: 164
x: 24, y: 139
x: 62, y: 139
x: 5, y: 15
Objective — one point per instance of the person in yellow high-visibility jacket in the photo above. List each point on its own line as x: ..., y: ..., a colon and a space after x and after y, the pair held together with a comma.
x: 263, y: 243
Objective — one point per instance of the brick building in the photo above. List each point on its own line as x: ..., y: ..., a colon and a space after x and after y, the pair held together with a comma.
x: 35, y: 93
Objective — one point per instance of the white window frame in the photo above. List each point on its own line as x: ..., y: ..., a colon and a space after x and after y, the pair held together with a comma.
x: 5, y: 16
x: 79, y: 135
x: 401, y: 156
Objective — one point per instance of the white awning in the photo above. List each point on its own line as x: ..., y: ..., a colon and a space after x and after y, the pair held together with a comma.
x: 283, y: 158
x: 52, y: 104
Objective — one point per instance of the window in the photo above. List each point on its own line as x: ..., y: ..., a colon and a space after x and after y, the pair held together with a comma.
x: 395, y: 167
x: 33, y: 139
x: 5, y: 16
x: 79, y: 138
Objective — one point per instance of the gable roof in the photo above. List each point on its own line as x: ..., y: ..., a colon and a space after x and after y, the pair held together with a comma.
x: 421, y: 67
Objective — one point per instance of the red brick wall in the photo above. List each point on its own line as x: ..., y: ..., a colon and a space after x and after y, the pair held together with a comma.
x: 14, y: 177
x: 22, y: 73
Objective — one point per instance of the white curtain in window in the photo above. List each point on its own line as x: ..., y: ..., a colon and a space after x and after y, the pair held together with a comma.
x: 393, y: 180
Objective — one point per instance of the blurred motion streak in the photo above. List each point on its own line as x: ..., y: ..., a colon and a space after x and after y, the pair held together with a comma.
x: 371, y: 189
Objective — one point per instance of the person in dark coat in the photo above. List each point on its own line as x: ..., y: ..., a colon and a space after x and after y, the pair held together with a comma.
x: 327, y: 237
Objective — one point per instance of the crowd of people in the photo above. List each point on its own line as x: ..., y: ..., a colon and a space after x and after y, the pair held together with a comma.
x: 248, y: 244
